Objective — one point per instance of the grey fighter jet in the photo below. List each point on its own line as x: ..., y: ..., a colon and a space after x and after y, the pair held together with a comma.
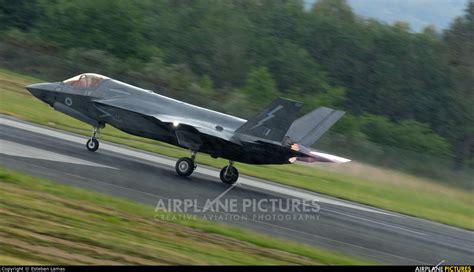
x: 273, y: 136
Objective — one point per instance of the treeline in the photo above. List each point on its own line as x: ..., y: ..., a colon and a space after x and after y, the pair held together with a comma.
x: 408, y: 90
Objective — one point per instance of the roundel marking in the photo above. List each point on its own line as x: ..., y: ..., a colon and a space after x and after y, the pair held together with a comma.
x: 68, y: 101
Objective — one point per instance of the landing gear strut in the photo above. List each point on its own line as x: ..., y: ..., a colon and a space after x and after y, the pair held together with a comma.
x: 185, y: 166
x: 93, y: 144
x: 229, y: 174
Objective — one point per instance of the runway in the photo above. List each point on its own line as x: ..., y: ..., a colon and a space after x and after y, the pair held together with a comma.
x: 148, y: 178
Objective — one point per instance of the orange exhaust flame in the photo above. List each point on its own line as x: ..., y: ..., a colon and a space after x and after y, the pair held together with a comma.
x: 295, y: 147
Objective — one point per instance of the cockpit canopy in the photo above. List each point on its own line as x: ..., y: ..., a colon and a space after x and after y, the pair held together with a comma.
x: 88, y: 80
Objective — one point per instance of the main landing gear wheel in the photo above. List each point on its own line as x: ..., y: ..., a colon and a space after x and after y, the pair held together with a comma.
x: 229, y: 174
x: 92, y: 145
x: 185, y: 167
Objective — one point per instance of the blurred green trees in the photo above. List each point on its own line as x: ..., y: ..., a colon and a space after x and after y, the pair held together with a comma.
x: 404, y: 89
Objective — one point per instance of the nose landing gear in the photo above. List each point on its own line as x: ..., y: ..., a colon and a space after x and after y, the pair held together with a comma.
x: 93, y: 144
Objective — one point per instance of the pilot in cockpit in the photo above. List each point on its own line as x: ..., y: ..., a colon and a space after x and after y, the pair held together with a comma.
x: 85, y: 80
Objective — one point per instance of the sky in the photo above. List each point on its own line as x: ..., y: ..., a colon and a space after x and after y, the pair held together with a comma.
x: 418, y: 13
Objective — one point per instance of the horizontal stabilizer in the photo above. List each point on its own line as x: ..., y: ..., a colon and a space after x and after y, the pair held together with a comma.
x: 273, y: 122
x: 307, y: 129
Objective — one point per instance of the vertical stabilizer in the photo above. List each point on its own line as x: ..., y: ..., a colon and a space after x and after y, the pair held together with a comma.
x: 273, y: 122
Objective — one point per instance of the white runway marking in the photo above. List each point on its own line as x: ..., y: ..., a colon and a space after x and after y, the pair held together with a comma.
x: 376, y: 222
x: 19, y: 150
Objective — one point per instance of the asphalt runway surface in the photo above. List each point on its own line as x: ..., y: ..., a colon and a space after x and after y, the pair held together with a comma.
x: 262, y: 206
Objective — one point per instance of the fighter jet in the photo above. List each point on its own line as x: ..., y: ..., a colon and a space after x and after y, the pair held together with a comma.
x: 274, y: 136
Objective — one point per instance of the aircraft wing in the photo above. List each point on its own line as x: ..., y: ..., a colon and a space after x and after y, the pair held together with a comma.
x: 202, y: 127
x: 139, y: 106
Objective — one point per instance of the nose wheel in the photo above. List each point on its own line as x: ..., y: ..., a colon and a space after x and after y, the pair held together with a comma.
x: 93, y: 144
x: 229, y: 174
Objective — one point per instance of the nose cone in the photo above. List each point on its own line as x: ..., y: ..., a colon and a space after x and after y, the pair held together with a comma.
x: 43, y: 91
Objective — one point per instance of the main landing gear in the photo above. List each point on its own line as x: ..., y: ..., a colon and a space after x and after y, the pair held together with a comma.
x: 229, y: 173
x: 185, y: 167
x: 93, y: 144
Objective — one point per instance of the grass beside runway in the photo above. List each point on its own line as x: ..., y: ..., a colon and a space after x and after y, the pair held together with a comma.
x: 43, y: 222
x: 410, y: 195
